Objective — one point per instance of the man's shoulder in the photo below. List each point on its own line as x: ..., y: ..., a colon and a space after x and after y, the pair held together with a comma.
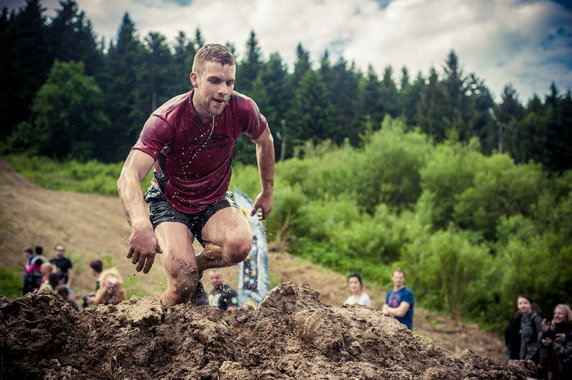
x: 243, y: 103
x: 173, y: 105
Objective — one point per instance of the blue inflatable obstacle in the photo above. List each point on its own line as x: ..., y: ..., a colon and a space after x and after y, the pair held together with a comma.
x: 253, y: 279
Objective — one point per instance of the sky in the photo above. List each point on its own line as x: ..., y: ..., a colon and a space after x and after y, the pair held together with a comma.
x: 525, y: 43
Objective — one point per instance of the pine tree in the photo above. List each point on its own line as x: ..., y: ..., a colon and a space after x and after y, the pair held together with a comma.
x: 248, y: 69
x: 182, y: 64
x: 371, y: 99
x: 25, y: 65
x: 343, y: 97
x: 508, y: 115
x: 124, y: 60
x: 431, y: 108
x: 409, y: 98
x: 71, y: 28
x: 389, y: 100
x: 301, y: 66
x: 310, y: 117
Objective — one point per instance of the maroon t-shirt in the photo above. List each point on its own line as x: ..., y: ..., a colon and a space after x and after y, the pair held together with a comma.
x: 196, y: 155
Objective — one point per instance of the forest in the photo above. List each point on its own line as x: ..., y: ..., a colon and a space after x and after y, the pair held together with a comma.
x: 471, y: 196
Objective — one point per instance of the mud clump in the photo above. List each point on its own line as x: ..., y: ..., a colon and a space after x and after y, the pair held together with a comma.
x: 290, y: 336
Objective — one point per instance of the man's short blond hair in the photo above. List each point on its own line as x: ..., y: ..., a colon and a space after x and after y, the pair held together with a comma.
x: 213, y: 53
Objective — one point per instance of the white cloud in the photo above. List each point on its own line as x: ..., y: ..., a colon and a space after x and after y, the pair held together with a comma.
x: 502, y: 41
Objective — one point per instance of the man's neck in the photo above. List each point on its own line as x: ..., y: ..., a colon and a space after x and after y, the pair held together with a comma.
x: 396, y: 289
x: 196, y: 108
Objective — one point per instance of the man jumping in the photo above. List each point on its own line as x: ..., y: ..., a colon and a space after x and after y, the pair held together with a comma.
x: 190, y: 140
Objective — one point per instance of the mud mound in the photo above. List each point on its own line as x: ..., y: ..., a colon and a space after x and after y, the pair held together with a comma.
x: 290, y: 336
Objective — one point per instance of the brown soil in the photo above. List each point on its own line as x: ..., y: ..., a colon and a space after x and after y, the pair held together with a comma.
x: 298, y: 332
x: 292, y: 335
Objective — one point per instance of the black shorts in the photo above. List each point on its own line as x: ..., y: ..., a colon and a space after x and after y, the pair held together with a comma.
x: 162, y: 211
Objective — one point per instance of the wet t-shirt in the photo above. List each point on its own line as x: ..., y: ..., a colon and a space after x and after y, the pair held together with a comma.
x: 193, y: 157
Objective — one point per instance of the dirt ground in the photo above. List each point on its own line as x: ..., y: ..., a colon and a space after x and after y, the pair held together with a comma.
x: 292, y: 335
x: 299, y: 331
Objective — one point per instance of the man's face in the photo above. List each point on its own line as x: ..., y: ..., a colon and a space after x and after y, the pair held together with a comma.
x: 213, y: 85
x: 60, y: 250
x: 398, y: 279
x: 216, y: 279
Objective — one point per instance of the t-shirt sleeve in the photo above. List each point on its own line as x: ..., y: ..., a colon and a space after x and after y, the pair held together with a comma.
x: 252, y: 121
x: 157, y: 134
x: 407, y: 297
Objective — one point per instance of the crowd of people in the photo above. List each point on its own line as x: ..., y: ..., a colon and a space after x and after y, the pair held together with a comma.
x: 56, y: 274
x: 548, y: 343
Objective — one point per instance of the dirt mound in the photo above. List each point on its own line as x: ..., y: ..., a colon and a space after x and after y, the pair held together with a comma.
x: 291, y: 335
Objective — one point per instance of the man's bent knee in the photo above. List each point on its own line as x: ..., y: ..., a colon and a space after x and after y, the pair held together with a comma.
x: 238, y: 250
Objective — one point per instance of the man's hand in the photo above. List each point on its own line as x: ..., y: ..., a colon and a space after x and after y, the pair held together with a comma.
x: 385, y: 310
x: 143, y: 246
x: 264, y: 203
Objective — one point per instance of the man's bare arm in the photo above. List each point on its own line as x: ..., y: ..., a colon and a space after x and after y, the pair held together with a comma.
x: 142, y: 242
x: 399, y: 311
x: 265, y: 159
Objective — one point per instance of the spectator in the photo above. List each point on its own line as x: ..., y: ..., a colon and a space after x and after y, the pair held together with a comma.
x: 221, y: 295
x: 46, y: 269
x: 512, y: 338
x: 63, y: 264
x: 358, y: 296
x: 32, y: 271
x: 399, y: 301
x: 96, y: 267
x: 54, y: 279
x: 111, y: 291
x: 530, y: 328
x: 63, y: 291
x: 556, y: 345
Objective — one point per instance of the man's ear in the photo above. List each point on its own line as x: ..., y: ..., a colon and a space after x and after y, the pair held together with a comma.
x: 193, y: 78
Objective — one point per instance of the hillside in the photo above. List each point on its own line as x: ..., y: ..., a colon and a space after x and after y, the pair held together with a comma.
x: 93, y: 226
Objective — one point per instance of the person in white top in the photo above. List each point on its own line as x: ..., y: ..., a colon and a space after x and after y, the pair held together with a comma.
x: 358, y: 296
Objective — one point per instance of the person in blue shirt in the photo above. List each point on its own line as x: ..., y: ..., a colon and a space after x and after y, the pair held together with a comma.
x: 399, y: 301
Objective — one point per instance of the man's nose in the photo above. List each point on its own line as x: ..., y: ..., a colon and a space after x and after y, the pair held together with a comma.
x: 223, y: 89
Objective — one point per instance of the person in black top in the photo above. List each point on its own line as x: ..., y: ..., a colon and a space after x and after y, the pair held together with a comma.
x: 221, y: 295
x: 63, y: 264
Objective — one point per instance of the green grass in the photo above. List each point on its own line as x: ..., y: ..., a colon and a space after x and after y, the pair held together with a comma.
x: 11, y: 282
x: 82, y: 177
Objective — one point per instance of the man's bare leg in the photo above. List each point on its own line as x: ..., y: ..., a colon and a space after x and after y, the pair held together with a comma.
x: 228, y: 240
x: 178, y: 257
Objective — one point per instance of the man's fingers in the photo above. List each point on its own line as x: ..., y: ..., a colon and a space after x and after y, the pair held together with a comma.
x: 130, y: 253
x: 140, y: 265
x: 148, y: 264
x: 135, y: 258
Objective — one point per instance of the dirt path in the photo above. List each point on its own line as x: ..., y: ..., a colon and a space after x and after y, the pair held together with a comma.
x: 93, y: 226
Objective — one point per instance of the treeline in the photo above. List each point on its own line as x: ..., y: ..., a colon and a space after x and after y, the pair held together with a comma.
x: 68, y: 94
